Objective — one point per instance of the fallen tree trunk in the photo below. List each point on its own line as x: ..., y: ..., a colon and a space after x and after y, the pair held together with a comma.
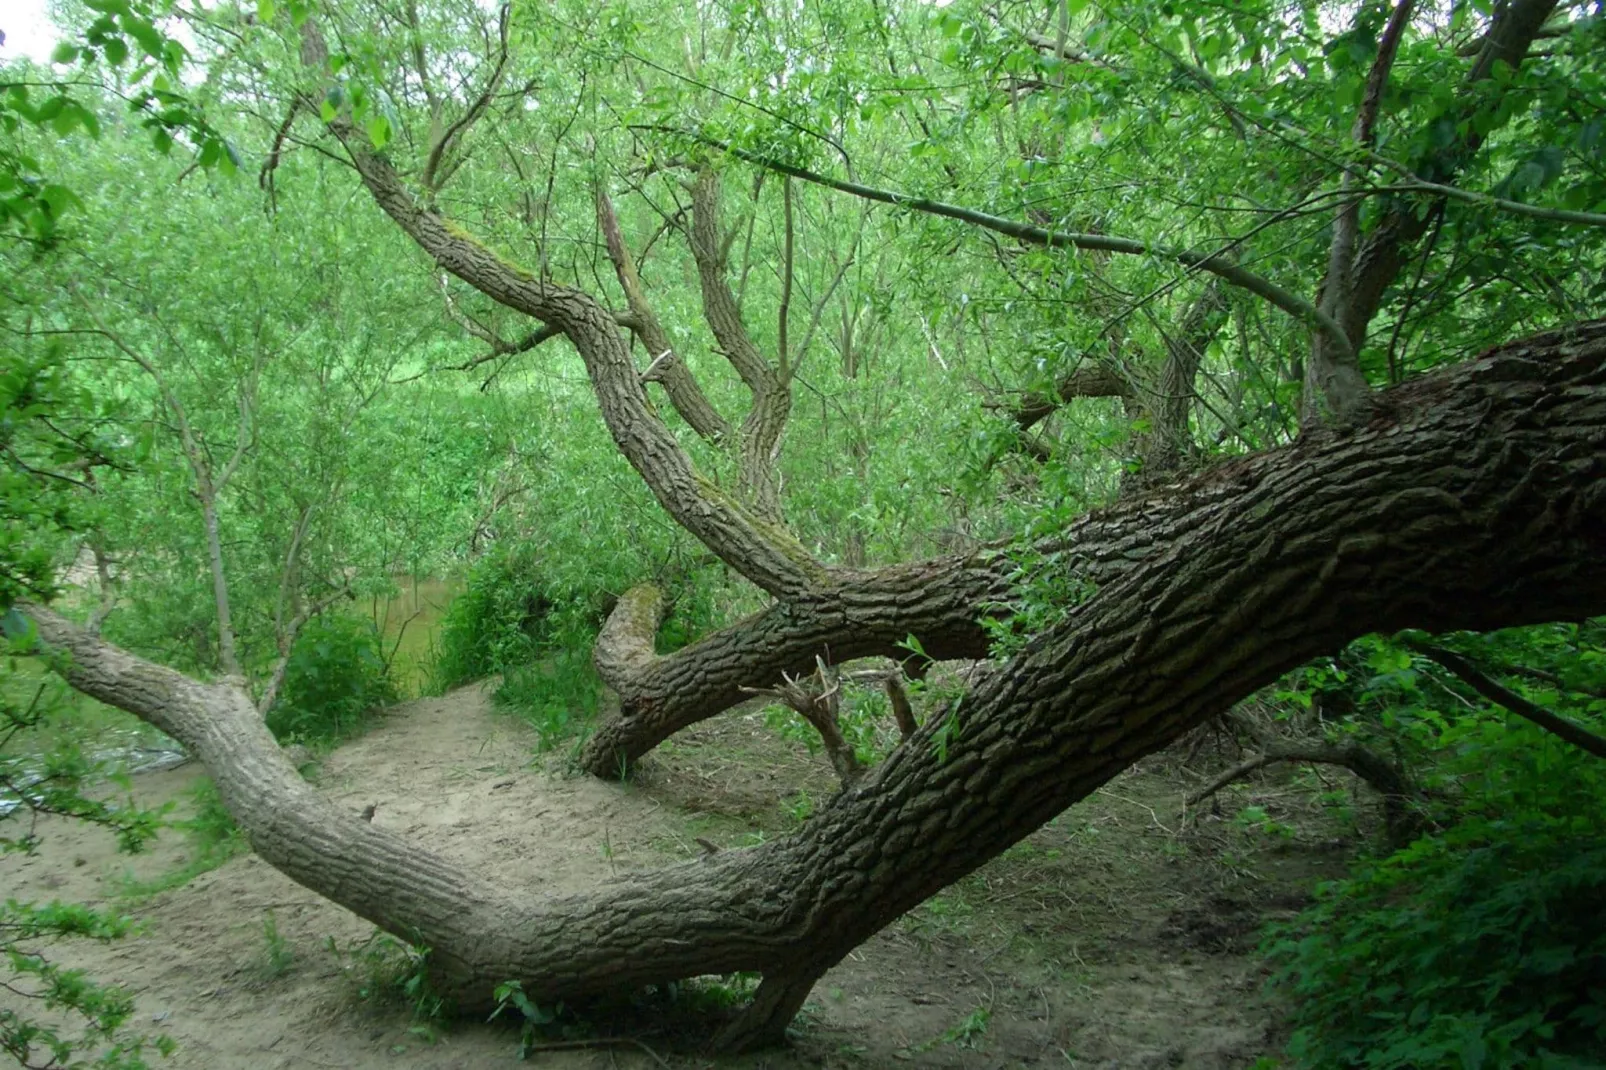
x: 1475, y: 499
x: 942, y: 603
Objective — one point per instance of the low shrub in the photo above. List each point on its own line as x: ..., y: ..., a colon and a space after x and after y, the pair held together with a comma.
x: 500, y: 619
x: 1482, y: 944
x: 1481, y: 947
x: 336, y: 677
x: 557, y: 695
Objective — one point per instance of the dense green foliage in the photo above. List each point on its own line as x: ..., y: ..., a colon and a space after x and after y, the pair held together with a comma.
x: 335, y: 678
x: 1479, y: 944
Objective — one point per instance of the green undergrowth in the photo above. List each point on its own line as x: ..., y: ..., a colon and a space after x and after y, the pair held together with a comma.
x: 1484, y: 946
x: 47, y: 770
x: 558, y: 695
x: 684, y: 1012
x: 1481, y: 943
x: 534, y: 619
x: 335, y: 681
x: 213, y: 839
x: 386, y: 973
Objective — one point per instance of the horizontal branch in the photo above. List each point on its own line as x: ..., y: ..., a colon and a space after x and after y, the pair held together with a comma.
x: 1091, y: 381
x: 1357, y: 759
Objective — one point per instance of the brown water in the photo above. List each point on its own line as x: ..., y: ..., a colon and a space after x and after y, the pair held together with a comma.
x: 411, y: 623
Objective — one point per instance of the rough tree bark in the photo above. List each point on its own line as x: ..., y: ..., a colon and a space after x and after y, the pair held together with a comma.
x: 667, y: 369
x: 1473, y: 499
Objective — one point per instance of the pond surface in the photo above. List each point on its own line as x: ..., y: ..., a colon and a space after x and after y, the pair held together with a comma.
x: 410, y: 624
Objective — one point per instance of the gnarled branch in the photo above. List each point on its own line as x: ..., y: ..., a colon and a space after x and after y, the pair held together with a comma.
x: 667, y: 368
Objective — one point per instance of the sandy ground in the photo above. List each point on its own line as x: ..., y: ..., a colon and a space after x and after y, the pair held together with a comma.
x: 1115, y: 937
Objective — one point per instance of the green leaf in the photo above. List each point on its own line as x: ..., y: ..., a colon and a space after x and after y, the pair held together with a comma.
x: 379, y: 131
x: 150, y: 39
x: 65, y: 53
x: 331, y: 104
x: 59, y: 198
x: 265, y: 11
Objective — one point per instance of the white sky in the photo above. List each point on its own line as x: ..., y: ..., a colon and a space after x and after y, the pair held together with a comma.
x: 29, y: 31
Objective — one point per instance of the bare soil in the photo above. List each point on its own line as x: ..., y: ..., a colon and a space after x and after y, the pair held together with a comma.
x: 1120, y: 935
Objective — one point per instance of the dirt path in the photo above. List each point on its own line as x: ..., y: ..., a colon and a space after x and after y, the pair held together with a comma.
x: 1108, y: 939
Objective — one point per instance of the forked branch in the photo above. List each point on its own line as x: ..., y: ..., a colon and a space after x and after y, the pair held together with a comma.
x: 666, y: 368
x: 818, y: 700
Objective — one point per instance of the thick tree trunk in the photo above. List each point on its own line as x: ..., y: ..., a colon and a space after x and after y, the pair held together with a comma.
x: 941, y: 602
x: 1474, y: 499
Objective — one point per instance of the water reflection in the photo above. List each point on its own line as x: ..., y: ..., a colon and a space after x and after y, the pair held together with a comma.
x: 410, y: 624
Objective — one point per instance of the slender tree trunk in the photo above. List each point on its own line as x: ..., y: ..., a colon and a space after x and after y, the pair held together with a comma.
x: 1475, y: 499
x: 227, y: 659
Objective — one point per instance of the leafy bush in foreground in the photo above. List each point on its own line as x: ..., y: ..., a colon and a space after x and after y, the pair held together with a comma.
x: 1484, y: 944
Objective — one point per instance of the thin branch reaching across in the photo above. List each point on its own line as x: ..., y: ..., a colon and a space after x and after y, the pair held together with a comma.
x: 432, y: 179
x: 1401, y: 799
x: 1262, y: 287
x: 786, y: 280
x: 1501, y: 695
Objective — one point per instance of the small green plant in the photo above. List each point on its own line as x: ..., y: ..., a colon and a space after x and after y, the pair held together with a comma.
x: 537, y: 1024
x: 277, y: 955
x: 967, y: 1033
x: 713, y: 994
x: 791, y: 727
x: 385, y: 971
x: 971, y: 1029
x: 558, y: 695
x: 947, y: 731
x: 1256, y: 818
x: 801, y: 808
